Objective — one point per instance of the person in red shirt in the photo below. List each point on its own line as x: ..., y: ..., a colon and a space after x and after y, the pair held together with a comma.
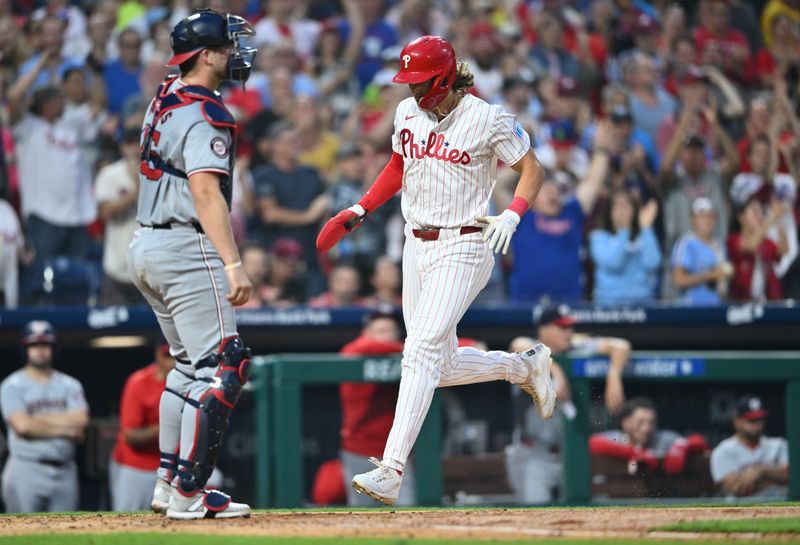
x: 368, y: 408
x: 132, y: 472
x: 720, y: 45
x: 754, y: 255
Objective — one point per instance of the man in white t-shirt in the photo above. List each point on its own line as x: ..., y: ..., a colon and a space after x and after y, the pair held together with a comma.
x: 11, y: 242
x: 55, y: 182
x: 747, y: 464
x: 117, y: 191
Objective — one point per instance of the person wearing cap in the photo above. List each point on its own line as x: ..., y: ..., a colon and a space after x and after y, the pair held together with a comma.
x: 647, y: 34
x: 135, y: 458
x: 749, y: 465
x: 562, y: 156
x: 117, y: 192
x: 485, y: 54
x: 555, y: 328
x: 533, y: 459
x: 686, y: 173
x: 700, y: 270
x: 46, y: 415
x: 286, y: 276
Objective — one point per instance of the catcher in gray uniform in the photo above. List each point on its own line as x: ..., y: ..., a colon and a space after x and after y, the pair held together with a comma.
x: 185, y: 262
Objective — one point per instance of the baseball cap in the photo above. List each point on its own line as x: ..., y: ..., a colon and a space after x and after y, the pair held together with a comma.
x: 701, y: 205
x: 694, y: 74
x: 563, y: 134
x: 645, y: 24
x: 567, y: 86
x: 694, y: 140
x: 750, y: 408
x: 346, y: 151
x: 620, y: 114
x: 556, y: 315
x: 287, y: 247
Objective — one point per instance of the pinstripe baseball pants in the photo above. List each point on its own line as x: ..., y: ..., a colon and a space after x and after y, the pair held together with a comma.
x: 441, y: 278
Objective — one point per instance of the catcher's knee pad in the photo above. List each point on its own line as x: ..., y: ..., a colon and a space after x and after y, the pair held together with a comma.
x: 214, y: 410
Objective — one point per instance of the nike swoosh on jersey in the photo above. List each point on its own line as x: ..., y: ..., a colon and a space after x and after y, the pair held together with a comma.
x: 410, y: 116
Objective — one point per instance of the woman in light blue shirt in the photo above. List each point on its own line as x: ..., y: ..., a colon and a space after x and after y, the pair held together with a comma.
x: 625, y: 252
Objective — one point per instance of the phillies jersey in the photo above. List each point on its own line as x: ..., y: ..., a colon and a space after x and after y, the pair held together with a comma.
x: 450, y: 166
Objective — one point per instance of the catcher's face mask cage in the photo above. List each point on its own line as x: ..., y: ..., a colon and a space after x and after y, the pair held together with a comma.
x: 241, y: 61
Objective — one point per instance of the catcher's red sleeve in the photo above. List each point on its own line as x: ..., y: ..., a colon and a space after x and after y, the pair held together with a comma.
x: 388, y: 182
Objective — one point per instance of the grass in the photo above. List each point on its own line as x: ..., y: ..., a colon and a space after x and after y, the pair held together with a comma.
x: 176, y: 539
x: 779, y: 525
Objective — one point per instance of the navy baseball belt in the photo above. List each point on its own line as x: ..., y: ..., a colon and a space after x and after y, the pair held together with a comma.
x: 433, y: 233
x: 197, y: 227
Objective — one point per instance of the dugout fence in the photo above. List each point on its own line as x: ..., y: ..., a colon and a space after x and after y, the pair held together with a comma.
x: 279, y: 382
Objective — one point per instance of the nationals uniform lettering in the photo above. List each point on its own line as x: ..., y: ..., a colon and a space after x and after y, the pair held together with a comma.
x: 192, y: 283
x: 183, y: 142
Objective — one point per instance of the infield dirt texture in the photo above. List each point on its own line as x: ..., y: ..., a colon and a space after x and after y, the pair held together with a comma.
x: 543, y: 525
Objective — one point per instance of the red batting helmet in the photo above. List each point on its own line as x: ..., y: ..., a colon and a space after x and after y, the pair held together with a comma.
x: 428, y: 57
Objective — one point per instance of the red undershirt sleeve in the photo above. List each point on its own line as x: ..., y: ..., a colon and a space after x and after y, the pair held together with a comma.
x: 386, y: 185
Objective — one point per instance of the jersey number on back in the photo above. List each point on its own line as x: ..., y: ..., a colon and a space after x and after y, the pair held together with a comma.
x: 145, y: 169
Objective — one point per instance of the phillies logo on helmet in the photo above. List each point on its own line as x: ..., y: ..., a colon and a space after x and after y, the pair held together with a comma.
x: 433, y: 59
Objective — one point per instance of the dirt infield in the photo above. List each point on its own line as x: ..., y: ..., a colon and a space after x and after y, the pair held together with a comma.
x: 617, y: 522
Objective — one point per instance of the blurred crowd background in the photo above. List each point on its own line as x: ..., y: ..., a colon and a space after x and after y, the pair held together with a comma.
x: 695, y: 102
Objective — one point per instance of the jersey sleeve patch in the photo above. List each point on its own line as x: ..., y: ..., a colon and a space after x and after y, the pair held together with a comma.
x: 519, y: 132
x: 219, y: 147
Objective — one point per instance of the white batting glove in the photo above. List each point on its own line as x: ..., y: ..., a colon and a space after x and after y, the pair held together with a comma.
x: 500, y: 229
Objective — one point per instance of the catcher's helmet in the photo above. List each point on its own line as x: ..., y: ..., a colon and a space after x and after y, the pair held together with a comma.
x: 38, y: 332
x: 428, y: 57
x: 202, y: 30
x: 208, y: 29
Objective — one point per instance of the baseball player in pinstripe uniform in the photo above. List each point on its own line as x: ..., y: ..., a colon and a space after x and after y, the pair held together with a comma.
x: 185, y: 262
x: 446, y: 146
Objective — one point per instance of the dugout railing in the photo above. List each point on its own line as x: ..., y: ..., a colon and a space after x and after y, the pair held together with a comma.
x: 739, y: 368
x: 279, y: 381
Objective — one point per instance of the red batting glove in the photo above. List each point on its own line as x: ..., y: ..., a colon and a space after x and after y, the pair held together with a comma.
x: 339, y: 225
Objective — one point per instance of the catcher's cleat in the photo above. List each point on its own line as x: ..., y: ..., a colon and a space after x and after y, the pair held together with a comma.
x: 538, y: 384
x: 161, y: 495
x: 381, y: 484
x: 205, y: 504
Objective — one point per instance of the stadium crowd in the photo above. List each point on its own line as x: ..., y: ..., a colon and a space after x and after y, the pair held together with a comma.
x: 696, y: 103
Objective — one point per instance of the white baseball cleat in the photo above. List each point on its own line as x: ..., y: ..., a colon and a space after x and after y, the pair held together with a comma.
x: 161, y: 495
x: 381, y: 484
x: 206, y: 504
x: 538, y: 384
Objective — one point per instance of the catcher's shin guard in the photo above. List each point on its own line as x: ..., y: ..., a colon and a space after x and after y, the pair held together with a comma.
x: 214, y: 410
